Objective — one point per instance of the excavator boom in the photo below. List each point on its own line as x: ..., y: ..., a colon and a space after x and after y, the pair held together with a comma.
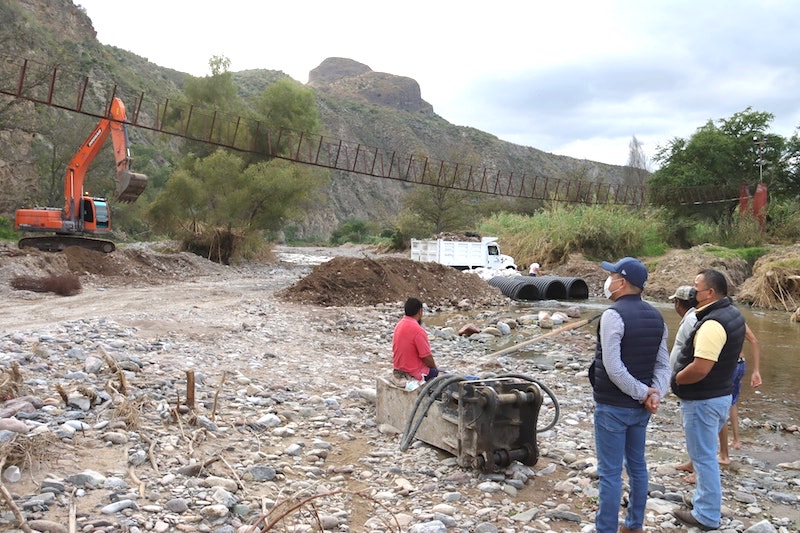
x: 129, y: 184
x: 84, y: 214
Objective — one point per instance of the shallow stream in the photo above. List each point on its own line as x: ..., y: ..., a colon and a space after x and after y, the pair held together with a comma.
x: 775, y: 404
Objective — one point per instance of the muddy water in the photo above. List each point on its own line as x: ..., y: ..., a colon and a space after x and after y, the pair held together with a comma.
x: 777, y: 400
x: 779, y: 397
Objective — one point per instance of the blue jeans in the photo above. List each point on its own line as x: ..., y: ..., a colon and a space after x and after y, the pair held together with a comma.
x: 619, y: 435
x: 702, y: 421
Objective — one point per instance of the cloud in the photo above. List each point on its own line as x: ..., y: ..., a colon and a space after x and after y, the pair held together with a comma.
x: 574, y: 77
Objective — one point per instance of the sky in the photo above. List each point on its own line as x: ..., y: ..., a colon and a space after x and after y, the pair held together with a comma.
x: 575, y: 78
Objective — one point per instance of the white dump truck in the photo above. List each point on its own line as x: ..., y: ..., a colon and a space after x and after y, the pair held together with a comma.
x: 462, y: 254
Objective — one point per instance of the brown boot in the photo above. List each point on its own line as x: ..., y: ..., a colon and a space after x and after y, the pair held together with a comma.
x: 624, y: 529
x: 688, y: 518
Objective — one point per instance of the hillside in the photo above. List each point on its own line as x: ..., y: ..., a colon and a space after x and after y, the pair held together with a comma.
x: 355, y: 104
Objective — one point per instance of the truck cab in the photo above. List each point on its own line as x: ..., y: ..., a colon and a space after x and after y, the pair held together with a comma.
x: 494, y: 259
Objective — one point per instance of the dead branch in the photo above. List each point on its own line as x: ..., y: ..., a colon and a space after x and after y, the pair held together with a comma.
x: 115, y: 369
x: 136, y: 480
x: 89, y: 393
x: 235, y: 476
x: 61, y: 392
x: 151, y: 444
x: 270, y: 523
x: 73, y: 515
x: 216, y: 396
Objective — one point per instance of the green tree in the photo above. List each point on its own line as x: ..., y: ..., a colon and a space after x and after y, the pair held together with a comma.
x: 215, y: 103
x: 432, y: 209
x: 286, y: 105
x: 353, y: 230
x: 217, y: 89
x: 53, y: 153
x: 215, y: 204
x: 441, y: 209
x: 788, y: 189
x: 717, y: 159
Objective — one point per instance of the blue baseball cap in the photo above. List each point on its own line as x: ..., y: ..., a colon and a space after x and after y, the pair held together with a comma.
x: 629, y: 268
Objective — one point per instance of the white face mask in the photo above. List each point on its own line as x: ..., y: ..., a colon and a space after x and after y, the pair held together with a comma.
x: 607, y: 287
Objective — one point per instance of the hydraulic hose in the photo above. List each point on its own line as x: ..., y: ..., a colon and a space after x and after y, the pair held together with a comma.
x: 428, y: 393
x: 550, y: 394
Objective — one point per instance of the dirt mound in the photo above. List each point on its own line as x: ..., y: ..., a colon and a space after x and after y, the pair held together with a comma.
x: 127, y: 266
x: 680, y: 267
x: 82, y: 261
x: 136, y: 262
x: 348, y: 281
x: 665, y: 273
x: 775, y: 283
x: 577, y: 266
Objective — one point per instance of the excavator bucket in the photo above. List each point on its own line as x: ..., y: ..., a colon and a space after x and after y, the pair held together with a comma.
x: 129, y: 186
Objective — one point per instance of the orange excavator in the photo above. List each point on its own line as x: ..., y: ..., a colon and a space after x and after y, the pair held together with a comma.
x: 83, y: 214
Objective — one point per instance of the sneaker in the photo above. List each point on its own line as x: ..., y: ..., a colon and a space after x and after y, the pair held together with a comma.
x: 688, y: 497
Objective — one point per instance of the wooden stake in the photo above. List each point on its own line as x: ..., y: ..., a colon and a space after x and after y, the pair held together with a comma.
x: 190, y: 389
x: 540, y: 337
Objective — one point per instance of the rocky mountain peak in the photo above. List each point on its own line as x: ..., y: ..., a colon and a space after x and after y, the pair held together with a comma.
x: 353, y: 80
x: 334, y: 69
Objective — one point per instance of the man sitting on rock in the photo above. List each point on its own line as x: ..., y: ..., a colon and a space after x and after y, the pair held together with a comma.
x: 411, y: 351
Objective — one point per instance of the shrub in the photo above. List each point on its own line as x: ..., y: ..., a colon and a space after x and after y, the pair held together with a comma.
x: 355, y: 231
x: 7, y: 232
x: 784, y: 221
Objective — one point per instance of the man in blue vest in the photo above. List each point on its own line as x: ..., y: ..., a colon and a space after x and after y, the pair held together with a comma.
x: 703, y: 380
x: 629, y: 376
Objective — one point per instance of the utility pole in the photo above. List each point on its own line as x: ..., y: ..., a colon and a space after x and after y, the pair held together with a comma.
x: 760, y: 144
x: 760, y: 197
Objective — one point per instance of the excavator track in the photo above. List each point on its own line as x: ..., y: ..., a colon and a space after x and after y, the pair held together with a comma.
x: 58, y: 243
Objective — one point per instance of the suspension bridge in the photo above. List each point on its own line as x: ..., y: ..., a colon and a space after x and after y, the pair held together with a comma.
x: 63, y: 89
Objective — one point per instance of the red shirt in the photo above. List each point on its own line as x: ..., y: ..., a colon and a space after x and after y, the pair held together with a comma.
x: 409, y: 347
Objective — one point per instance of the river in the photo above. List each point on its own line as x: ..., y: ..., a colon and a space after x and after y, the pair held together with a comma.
x: 779, y: 396
x: 778, y: 399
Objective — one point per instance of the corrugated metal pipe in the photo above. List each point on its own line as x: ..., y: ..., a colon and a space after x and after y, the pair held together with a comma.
x: 541, y: 287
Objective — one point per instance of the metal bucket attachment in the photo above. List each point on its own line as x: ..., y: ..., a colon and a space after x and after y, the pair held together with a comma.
x: 129, y: 186
x: 486, y: 423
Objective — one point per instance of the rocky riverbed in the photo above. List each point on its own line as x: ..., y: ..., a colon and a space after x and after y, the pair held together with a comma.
x: 97, y: 433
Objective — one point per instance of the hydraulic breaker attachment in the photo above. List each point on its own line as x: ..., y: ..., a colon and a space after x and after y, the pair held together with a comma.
x: 485, y: 423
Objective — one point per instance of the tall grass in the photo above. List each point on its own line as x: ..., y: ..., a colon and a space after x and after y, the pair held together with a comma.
x: 738, y: 232
x: 598, y: 232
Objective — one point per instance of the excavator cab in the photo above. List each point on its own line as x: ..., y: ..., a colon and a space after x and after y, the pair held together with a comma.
x: 96, y: 215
